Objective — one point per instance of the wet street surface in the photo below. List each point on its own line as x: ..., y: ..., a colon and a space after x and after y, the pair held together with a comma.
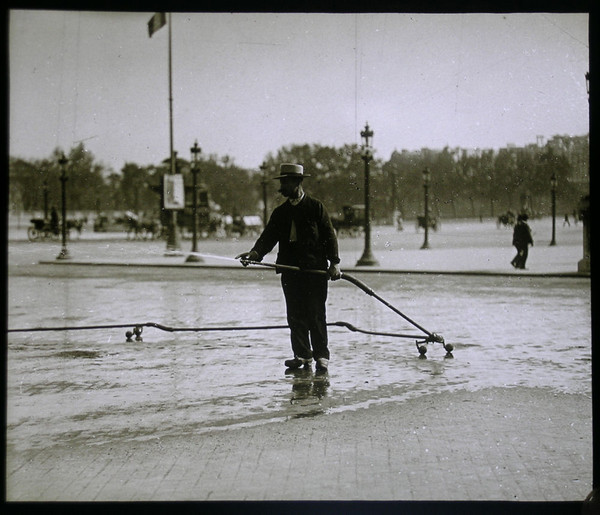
x: 94, y: 386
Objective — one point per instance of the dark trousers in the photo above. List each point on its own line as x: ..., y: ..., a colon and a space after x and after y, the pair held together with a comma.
x: 305, y: 297
x: 521, y: 258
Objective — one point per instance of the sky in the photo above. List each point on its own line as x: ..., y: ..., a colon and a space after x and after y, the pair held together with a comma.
x: 246, y: 84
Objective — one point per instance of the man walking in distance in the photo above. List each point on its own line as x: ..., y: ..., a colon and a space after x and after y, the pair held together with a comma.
x: 302, y: 228
x: 521, y: 240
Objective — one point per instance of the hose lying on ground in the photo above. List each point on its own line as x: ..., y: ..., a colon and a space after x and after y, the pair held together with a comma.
x: 137, y: 328
x: 170, y: 329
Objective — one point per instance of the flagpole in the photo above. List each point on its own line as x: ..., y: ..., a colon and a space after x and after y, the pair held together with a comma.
x: 171, y: 99
x: 173, y: 245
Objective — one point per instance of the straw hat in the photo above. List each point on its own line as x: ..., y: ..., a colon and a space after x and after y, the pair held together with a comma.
x: 291, y: 170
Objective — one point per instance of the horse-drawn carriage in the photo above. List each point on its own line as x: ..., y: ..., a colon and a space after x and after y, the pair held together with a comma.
x: 239, y: 226
x: 135, y: 226
x: 42, y: 229
x: 434, y: 223
x: 352, y: 221
x: 104, y: 223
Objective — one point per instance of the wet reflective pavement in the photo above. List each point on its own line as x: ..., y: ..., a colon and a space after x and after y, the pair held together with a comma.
x: 93, y: 388
x: 504, y: 333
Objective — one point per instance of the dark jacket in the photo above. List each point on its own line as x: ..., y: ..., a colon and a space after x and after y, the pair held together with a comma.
x: 316, y: 242
x: 522, y: 235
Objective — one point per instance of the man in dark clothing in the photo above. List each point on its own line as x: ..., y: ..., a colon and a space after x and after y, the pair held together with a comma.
x: 302, y: 228
x: 521, y: 240
x: 54, y: 220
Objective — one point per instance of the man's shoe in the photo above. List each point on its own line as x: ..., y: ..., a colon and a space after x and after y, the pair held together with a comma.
x: 322, y: 364
x: 296, y: 362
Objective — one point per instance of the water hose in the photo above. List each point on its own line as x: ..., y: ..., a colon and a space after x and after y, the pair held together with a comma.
x: 138, y: 327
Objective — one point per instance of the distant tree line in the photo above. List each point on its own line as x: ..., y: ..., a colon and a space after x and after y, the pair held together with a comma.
x: 463, y: 183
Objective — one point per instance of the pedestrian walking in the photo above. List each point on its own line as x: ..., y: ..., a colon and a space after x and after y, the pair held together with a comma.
x: 54, y: 220
x: 303, y: 231
x: 566, y: 220
x: 521, y: 240
x: 399, y: 222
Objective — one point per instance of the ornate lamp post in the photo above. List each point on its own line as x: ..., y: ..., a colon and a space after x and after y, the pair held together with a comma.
x: 62, y: 161
x: 45, y: 183
x: 367, y: 258
x: 263, y: 168
x: 553, y: 190
x: 195, y: 150
x: 426, y: 181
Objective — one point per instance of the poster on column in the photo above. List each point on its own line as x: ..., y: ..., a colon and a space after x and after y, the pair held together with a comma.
x: 173, y: 192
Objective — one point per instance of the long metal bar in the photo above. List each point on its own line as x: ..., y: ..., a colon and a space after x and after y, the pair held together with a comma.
x: 369, y: 291
x: 356, y: 282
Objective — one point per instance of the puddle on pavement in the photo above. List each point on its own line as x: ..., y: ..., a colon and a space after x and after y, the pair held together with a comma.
x: 74, y: 354
x: 307, y: 386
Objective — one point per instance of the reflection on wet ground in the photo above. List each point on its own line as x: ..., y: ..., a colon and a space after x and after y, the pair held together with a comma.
x: 96, y: 386
x: 308, y: 390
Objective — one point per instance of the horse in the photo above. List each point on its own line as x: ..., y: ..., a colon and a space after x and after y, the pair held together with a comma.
x: 433, y: 223
x: 234, y: 225
x: 506, y: 219
x: 149, y: 229
x: 137, y: 228
x: 77, y: 224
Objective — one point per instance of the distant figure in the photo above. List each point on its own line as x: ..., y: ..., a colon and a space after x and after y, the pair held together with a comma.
x: 521, y: 240
x: 575, y: 216
x: 54, y: 220
x: 399, y: 222
x: 566, y: 220
x: 239, y: 225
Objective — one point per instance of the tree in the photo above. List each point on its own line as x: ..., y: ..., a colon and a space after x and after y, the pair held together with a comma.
x: 27, y: 180
x: 507, y: 179
x: 552, y: 163
x: 134, y: 192
x: 463, y: 182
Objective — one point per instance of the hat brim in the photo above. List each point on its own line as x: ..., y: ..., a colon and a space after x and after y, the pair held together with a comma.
x: 293, y: 176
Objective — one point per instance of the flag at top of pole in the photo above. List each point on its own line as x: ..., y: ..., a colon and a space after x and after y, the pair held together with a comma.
x: 156, y: 22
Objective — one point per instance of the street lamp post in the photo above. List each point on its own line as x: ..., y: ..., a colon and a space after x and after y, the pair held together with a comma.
x: 263, y: 169
x: 62, y: 161
x: 45, y: 199
x: 193, y: 257
x: 553, y: 190
x: 367, y: 259
x: 426, y: 180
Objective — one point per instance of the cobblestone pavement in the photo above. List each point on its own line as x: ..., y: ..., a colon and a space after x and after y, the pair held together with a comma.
x: 514, y: 444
